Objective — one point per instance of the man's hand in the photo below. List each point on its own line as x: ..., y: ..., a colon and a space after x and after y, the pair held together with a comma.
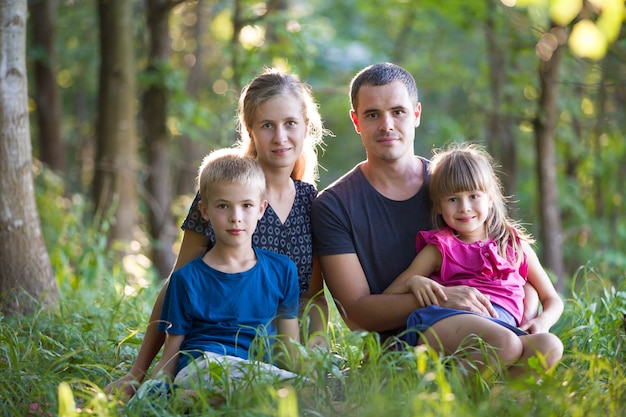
x: 466, y: 298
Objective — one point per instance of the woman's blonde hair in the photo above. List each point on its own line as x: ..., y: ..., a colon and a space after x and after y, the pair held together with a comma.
x: 272, y: 83
x: 468, y: 167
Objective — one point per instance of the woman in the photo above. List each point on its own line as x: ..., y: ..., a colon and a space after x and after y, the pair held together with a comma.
x: 279, y: 125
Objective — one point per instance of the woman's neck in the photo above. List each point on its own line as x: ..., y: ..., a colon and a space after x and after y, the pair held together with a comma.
x: 280, y: 193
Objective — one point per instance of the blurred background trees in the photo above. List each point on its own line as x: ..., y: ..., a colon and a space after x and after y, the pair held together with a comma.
x: 502, y: 73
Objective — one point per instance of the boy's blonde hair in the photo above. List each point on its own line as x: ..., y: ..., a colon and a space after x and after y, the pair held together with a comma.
x: 468, y: 167
x: 229, y: 166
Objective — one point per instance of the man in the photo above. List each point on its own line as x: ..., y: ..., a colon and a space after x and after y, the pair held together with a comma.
x: 364, y: 224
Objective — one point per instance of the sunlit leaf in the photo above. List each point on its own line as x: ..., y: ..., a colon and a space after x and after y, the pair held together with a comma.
x: 587, y: 41
x: 67, y: 406
x: 564, y: 11
x: 610, y: 21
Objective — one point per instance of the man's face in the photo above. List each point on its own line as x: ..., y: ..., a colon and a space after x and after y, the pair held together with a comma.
x: 386, y: 120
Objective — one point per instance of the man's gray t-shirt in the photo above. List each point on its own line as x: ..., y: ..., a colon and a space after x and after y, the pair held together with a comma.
x: 350, y: 216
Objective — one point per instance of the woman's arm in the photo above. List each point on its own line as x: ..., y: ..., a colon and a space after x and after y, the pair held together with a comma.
x: 313, y: 303
x: 551, y: 303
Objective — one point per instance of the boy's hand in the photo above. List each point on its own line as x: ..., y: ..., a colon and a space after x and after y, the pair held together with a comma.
x: 126, y: 386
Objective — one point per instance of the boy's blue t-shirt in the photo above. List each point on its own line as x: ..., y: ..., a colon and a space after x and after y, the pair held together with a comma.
x: 223, y: 313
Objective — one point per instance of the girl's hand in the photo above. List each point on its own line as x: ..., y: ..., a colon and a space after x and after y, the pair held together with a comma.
x: 427, y: 291
x: 535, y: 325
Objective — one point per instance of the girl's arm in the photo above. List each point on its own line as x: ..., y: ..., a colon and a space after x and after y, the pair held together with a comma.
x: 313, y: 303
x: 288, y: 337
x: 415, y: 278
x: 166, y: 366
x: 551, y: 303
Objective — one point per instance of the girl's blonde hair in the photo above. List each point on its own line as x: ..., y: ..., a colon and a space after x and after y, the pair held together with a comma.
x: 272, y: 83
x: 468, y: 167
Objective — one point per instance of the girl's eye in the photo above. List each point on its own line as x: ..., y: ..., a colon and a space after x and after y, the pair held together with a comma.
x: 267, y: 126
x: 291, y: 123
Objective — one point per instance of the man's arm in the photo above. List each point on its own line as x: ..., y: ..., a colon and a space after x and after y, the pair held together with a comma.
x: 359, y: 308
x: 380, y: 312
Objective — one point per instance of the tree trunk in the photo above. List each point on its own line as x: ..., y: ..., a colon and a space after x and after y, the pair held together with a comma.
x: 26, y: 276
x: 156, y: 137
x: 500, y: 132
x: 187, y: 169
x: 51, y: 145
x: 115, y: 181
x: 545, y: 124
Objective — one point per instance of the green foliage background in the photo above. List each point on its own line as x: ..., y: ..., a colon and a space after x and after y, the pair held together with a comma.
x: 106, y: 300
x: 442, y: 43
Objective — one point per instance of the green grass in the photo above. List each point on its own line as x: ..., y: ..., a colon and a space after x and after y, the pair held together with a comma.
x: 94, y: 336
x: 58, y: 363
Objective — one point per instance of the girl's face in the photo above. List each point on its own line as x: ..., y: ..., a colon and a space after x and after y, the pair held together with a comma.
x: 278, y: 131
x: 466, y: 212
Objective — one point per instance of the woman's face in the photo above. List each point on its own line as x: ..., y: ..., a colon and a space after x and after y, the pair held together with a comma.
x: 278, y: 131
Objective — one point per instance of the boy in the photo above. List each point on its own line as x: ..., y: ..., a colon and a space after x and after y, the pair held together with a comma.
x: 224, y: 309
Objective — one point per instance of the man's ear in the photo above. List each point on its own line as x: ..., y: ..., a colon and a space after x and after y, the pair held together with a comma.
x: 355, y: 121
x: 418, y: 114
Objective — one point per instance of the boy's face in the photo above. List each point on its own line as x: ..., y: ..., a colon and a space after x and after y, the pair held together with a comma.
x: 233, y: 210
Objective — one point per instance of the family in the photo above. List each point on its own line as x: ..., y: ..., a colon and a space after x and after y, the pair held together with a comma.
x: 415, y: 249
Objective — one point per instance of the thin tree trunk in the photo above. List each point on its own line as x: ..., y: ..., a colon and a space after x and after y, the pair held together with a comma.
x: 191, y: 150
x: 157, y: 139
x: 500, y: 132
x: 26, y: 277
x: 545, y: 124
x: 115, y: 181
x: 51, y: 145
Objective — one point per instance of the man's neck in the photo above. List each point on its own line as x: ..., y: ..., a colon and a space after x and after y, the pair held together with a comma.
x: 397, y: 180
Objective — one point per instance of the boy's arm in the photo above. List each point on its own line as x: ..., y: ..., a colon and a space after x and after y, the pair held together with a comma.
x: 551, y: 303
x: 167, y: 364
x: 192, y: 246
x: 288, y: 336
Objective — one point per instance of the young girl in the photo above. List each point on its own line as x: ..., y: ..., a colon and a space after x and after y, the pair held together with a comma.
x: 280, y: 126
x: 478, y: 245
